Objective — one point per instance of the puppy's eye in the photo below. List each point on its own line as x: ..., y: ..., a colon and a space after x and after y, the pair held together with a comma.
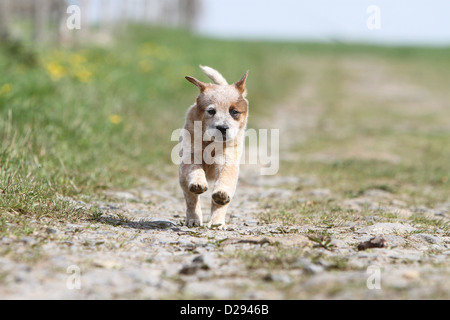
x: 234, y: 112
x: 212, y: 111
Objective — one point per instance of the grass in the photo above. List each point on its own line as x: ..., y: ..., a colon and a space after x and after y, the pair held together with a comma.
x: 383, y: 121
x: 75, y: 121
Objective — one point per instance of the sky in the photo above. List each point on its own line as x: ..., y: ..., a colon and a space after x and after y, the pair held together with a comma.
x: 391, y: 22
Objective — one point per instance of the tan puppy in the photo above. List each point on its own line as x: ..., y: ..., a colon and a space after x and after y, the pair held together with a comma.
x: 211, y: 145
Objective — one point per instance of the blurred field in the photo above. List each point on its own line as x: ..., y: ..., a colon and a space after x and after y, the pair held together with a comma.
x: 76, y: 121
x: 79, y: 120
x: 380, y: 119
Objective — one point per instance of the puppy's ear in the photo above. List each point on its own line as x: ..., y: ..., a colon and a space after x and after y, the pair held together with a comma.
x: 240, y: 85
x: 201, y: 85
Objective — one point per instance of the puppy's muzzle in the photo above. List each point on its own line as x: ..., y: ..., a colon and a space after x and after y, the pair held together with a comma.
x: 223, y: 129
x: 220, y: 133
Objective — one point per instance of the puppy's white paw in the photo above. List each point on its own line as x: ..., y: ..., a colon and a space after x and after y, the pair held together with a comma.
x: 218, y: 226
x: 193, y: 223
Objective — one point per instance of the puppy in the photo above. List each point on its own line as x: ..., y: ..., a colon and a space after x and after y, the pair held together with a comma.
x: 211, y: 145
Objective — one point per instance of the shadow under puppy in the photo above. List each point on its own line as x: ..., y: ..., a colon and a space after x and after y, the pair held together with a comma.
x: 211, y: 145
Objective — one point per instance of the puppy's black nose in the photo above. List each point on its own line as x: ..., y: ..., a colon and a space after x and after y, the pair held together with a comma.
x: 223, y: 128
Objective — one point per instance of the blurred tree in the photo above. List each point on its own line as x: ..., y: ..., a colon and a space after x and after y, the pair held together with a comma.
x: 47, y: 18
x: 40, y: 13
x: 189, y: 11
x: 4, y: 10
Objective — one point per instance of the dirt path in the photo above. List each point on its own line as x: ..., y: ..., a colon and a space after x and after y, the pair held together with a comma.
x: 139, y: 247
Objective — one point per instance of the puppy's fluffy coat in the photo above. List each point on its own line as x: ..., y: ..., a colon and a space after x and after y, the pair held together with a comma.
x: 221, y: 110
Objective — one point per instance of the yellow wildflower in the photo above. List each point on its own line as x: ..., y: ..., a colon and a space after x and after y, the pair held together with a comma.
x: 55, y: 70
x: 83, y: 75
x: 115, y: 119
x: 5, y: 89
x: 154, y: 50
x: 145, y: 66
x: 77, y: 59
x: 161, y: 53
x: 146, y: 49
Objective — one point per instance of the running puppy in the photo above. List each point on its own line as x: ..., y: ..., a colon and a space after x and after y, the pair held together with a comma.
x: 211, y: 145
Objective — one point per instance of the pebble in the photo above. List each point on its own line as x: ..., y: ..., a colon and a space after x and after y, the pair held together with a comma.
x: 156, y: 257
x: 277, y: 277
x: 386, y: 228
x: 411, y: 274
x: 375, y: 242
x: 320, y: 193
x: 107, y: 264
x: 313, y: 269
x: 200, y: 262
x: 28, y: 240
x: 422, y: 237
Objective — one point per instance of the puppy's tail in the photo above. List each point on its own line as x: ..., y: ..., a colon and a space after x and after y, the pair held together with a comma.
x: 214, y: 75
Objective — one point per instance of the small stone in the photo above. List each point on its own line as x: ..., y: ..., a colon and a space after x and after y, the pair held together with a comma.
x: 207, y: 290
x: 426, y: 238
x: 158, y: 224
x: 205, y: 261
x: 71, y: 227
x: 386, y: 228
x: 93, y: 242
x: 185, y: 243
x: 189, y: 269
x: 251, y: 223
x: 200, y: 262
x: 375, y: 242
x: 411, y: 274
x: 107, y: 264
x: 28, y: 240
x: 52, y: 231
x: 6, y: 240
x: 280, y: 278
x: 395, y: 241
x: 313, y: 269
x: 320, y: 192
x: 302, y: 262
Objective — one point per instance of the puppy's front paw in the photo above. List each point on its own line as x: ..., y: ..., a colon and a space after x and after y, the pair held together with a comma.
x: 193, y: 223
x: 197, y: 188
x: 218, y: 226
x: 221, y: 197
